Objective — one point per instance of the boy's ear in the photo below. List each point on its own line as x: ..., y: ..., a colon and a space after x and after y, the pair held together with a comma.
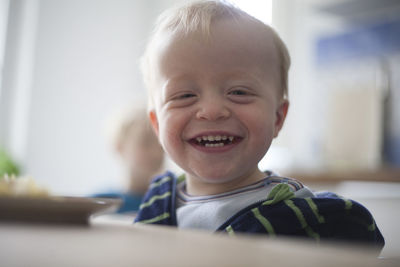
x: 154, y: 121
x: 281, y: 116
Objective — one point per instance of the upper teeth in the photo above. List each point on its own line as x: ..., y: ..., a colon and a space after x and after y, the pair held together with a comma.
x: 214, y: 138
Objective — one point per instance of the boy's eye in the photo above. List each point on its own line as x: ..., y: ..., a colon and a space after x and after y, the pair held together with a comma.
x: 238, y: 92
x: 241, y: 95
x: 186, y: 95
x: 182, y: 99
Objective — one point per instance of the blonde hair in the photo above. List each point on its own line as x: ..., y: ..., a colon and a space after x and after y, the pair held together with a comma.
x: 129, y: 123
x: 199, y: 16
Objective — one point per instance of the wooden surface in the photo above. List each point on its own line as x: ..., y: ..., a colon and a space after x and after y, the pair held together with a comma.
x: 120, y: 244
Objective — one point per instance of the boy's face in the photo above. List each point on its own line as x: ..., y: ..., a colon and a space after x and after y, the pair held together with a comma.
x: 218, y: 104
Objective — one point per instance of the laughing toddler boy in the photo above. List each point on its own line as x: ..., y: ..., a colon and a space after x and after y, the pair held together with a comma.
x: 218, y: 91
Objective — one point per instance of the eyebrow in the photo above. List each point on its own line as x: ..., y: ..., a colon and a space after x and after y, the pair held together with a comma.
x: 175, y: 82
x: 239, y: 74
x: 189, y: 77
x: 245, y: 75
x: 178, y: 79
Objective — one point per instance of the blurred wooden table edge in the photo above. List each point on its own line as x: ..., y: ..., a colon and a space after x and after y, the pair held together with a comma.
x: 387, y: 174
x: 105, y: 244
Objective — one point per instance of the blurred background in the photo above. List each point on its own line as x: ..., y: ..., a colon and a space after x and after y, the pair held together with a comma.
x: 68, y: 66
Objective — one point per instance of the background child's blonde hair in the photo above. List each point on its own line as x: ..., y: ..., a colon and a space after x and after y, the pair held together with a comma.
x: 129, y: 123
x: 197, y: 16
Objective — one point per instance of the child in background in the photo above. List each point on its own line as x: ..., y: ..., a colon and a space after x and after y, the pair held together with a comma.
x: 218, y: 96
x: 142, y: 156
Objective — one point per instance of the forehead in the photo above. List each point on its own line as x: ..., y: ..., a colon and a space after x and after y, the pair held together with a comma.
x: 241, y: 44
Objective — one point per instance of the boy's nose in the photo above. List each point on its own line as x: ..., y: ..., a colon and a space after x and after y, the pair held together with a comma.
x: 212, y: 109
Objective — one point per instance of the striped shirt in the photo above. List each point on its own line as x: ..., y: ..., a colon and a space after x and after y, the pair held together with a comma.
x: 324, y: 216
x: 209, y: 212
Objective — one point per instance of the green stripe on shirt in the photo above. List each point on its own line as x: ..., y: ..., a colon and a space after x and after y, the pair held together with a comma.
x: 230, y: 231
x: 279, y: 193
x: 302, y: 220
x: 264, y: 221
x: 156, y: 219
x: 181, y: 178
x: 163, y: 180
x: 314, y: 209
x: 371, y: 227
x: 348, y: 204
x: 154, y: 198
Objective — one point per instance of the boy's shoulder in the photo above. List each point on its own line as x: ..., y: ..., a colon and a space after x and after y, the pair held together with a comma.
x: 323, y: 217
x: 162, y: 182
x: 158, y: 202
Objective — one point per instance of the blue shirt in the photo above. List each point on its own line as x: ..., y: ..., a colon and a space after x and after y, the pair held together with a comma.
x: 130, y: 201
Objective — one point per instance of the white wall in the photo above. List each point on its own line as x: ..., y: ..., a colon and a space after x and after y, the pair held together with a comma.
x: 18, y: 76
x: 3, y: 28
x: 4, y: 7
x: 83, y: 67
x: 86, y: 66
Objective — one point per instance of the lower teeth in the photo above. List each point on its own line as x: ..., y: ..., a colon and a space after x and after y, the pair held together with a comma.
x: 214, y: 145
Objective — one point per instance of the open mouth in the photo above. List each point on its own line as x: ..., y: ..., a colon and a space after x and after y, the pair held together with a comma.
x: 215, y: 140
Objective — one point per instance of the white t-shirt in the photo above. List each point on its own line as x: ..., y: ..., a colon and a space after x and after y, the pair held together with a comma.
x: 210, y: 212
